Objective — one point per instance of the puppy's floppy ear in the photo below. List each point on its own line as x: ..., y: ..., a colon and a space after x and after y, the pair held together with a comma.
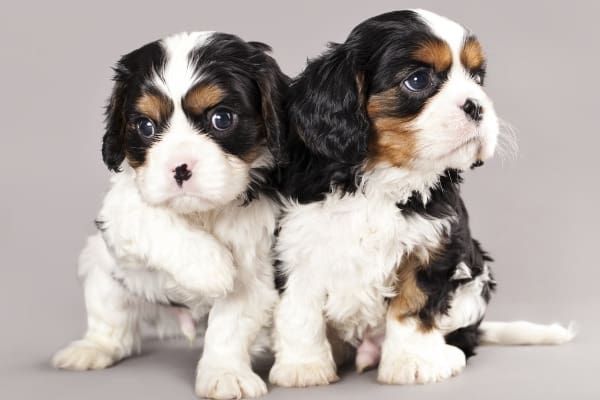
x: 113, y: 142
x: 327, y: 107
x: 273, y: 85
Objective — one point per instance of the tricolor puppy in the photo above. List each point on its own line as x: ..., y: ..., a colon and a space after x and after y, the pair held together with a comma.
x: 186, y: 227
x: 374, y: 244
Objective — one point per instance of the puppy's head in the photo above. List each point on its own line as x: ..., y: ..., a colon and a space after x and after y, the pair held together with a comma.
x: 405, y: 89
x: 194, y: 115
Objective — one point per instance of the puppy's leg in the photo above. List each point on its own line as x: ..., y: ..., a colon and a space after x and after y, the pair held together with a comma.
x: 225, y: 370
x: 303, y: 355
x: 412, y: 353
x: 112, y: 316
x: 368, y: 352
x: 141, y: 235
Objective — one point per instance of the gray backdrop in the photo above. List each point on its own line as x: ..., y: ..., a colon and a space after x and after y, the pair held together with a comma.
x: 536, y: 214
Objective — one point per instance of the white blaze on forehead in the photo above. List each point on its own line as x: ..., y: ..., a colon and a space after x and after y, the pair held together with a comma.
x: 179, y: 75
x: 451, y: 32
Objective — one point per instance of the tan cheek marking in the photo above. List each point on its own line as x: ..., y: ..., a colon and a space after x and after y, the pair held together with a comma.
x: 471, y: 55
x: 392, y: 140
x: 436, y: 53
x: 155, y: 106
x: 202, y: 98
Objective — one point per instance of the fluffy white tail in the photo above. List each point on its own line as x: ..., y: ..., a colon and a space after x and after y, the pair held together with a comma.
x: 525, y: 333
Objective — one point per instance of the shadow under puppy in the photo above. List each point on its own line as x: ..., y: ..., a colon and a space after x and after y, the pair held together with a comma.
x: 374, y: 243
x: 186, y: 228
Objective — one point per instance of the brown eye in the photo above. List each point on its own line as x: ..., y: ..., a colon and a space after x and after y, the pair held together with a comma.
x: 478, y: 78
x: 145, y: 128
x: 222, y: 119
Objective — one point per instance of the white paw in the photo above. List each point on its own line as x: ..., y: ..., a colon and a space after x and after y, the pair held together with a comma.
x: 214, y: 279
x: 408, y: 366
x: 83, y: 355
x: 303, y: 375
x: 216, y: 383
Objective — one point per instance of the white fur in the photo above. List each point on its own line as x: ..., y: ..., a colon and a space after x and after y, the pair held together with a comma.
x: 197, y: 245
x: 525, y: 333
x: 450, y: 31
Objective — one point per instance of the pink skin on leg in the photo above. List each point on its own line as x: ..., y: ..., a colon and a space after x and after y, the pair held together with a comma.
x: 186, y: 323
x: 368, y: 352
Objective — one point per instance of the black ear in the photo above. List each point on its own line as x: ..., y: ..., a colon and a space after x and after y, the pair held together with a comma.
x: 273, y: 85
x: 327, y: 107
x: 113, y: 142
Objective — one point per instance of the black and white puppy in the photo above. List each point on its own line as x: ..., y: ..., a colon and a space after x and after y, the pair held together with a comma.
x: 375, y: 242
x: 186, y: 228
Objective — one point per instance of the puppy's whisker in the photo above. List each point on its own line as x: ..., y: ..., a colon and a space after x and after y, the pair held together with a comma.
x: 507, y: 142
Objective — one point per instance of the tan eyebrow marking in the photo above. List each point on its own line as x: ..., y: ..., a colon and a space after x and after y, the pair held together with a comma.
x: 155, y: 106
x: 436, y: 53
x: 203, y: 97
x: 471, y: 55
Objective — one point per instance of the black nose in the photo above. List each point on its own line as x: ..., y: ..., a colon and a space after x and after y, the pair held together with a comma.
x: 182, y: 173
x: 473, y: 109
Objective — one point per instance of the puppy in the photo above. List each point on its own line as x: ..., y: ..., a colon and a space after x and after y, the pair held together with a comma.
x: 186, y: 228
x: 374, y: 245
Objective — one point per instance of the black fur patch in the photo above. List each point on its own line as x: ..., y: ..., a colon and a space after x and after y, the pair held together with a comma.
x: 131, y: 80
x: 467, y: 339
x: 100, y: 225
x: 443, y: 199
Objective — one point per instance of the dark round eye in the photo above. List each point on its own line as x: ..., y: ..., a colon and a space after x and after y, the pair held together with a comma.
x: 478, y: 78
x: 418, y: 80
x: 145, y: 128
x: 222, y: 119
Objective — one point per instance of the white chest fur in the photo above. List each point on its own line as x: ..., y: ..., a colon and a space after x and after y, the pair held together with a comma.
x: 350, y: 246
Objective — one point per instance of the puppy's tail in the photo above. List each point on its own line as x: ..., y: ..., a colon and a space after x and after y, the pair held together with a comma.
x: 525, y: 333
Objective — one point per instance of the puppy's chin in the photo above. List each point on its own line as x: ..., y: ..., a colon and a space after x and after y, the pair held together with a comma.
x: 187, y: 204
x: 473, y: 152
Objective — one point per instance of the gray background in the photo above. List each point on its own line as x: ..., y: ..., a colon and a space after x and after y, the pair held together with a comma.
x: 536, y: 214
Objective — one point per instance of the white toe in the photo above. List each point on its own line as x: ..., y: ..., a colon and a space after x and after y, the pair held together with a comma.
x: 83, y: 355
x: 229, y: 384
x: 303, y: 375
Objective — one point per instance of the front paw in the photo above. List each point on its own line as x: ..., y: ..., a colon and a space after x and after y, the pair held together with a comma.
x: 222, y: 383
x: 303, y: 375
x: 408, y: 366
x: 84, y: 355
x: 214, y: 278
